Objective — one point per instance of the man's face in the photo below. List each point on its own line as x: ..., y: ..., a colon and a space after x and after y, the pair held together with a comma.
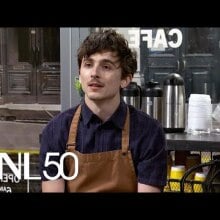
x: 100, y: 76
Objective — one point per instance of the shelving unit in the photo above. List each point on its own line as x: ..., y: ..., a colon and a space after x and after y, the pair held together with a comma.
x: 206, y: 145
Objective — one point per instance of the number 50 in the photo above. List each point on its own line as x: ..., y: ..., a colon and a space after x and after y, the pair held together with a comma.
x: 60, y: 165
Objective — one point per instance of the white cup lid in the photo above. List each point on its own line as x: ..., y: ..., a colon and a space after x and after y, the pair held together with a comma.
x: 178, y: 167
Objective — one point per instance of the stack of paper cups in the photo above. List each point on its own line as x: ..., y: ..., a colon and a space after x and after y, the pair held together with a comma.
x: 199, y: 114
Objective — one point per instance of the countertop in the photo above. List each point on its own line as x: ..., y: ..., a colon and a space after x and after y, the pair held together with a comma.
x: 201, y: 142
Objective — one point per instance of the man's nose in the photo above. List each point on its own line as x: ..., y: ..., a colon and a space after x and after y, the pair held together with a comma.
x: 95, y: 72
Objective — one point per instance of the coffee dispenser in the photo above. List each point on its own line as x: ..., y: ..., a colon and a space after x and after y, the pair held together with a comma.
x: 152, y: 100
x: 132, y: 94
x: 173, y: 103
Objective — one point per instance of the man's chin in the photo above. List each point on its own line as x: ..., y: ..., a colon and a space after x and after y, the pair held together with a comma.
x: 95, y: 97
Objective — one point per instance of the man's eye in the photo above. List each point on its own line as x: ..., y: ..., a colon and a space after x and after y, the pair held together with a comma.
x: 87, y: 64
x: 106, y: 67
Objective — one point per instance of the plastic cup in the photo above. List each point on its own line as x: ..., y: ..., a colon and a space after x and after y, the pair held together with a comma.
x: 199, y: 114
x: 176, y: 174
x: 199, y: 177
x: 216, y: 113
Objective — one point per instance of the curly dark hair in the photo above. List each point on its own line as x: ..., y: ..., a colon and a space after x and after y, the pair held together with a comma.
x: 109, y: 40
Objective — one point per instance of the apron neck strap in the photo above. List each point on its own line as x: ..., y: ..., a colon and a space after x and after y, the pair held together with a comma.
x: 125, y: 133
x: 71, y: 143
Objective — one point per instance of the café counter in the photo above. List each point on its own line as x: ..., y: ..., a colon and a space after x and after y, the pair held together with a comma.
x: 189, y: 142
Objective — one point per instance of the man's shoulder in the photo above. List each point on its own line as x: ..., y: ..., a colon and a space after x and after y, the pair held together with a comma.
x: 69, y: 111
x: 65, y: 115
x: 139, y: 113
x: 140, y: 117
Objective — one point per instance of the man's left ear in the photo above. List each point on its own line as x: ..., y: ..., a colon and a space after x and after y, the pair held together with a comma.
x: 125, y: 82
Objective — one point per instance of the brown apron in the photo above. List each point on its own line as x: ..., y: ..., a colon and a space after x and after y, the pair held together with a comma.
x: 111, y: 171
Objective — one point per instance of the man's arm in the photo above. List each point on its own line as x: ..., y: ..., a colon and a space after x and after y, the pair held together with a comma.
x: 148, y: 188
x: 53, y: 185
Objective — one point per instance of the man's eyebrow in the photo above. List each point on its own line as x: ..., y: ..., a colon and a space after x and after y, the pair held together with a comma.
x: 112, y: 62
x: 105, y: 61
x: 86, y: 59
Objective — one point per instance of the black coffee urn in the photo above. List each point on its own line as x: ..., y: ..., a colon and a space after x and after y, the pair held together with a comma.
x: 132, y: 94
x: 152, y: 97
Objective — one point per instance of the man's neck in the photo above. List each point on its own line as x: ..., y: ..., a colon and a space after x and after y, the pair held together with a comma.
x: 103, y: 109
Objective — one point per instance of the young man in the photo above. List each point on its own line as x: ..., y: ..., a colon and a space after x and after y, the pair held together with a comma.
x: 119, y: 148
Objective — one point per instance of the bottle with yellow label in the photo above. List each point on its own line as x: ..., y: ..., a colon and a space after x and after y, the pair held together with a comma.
x: 198, y: 178
x: 176, y: 173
